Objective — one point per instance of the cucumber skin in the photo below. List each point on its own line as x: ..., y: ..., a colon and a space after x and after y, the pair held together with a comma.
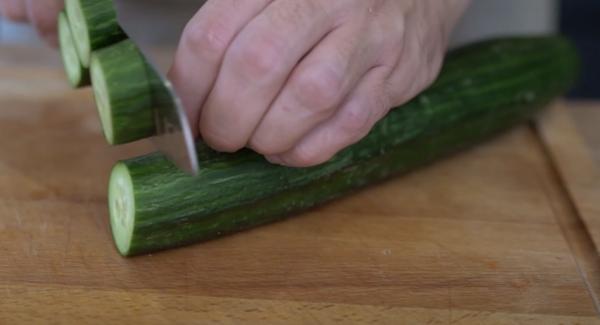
x: 103, y: 27
x: 83, y: 76
x: 129, y: 85
x: 483, y: 89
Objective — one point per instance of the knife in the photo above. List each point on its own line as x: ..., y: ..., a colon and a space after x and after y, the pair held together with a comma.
x: 173, y: 133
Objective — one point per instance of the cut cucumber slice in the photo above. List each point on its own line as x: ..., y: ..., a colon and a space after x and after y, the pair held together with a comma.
x: 122, y: 207
x: 77, y: 75
x: 122, y: 88
x: 94, y: 25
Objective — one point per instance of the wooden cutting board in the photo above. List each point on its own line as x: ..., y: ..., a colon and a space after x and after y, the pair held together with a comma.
x: 503, y: 233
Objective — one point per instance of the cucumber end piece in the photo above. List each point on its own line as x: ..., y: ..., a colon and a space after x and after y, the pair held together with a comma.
x: 79, y: 29
x: 122, y: 207
x: 102, y: 96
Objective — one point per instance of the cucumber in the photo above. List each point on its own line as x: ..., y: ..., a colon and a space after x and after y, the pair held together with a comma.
x: 77, y: 75
x: 123, y: 88
x: 483, y: 89
x: 94, y: 26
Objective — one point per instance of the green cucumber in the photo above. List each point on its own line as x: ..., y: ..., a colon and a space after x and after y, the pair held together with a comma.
x: 77, y: 75
x: 123, y: 81
x: 483, y: 89
x: 94, y: 25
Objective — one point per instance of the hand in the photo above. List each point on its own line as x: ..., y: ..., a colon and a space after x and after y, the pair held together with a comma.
x: 300, y: 80
x: 42, y: 14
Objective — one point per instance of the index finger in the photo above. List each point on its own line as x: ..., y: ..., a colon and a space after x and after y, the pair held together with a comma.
x: 202, y: 47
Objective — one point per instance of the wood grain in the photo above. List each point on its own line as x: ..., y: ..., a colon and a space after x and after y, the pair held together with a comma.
x: 484, y: 236
x: 87, y: 306
x: 578, y: 170
x: 586, y: 115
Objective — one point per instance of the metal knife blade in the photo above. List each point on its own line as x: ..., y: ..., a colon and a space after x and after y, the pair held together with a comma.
x: 174, y: 136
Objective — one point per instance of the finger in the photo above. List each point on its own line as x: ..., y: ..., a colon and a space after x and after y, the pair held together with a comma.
x: 203, y: 44
x: 14, y: 10
x: 315, y: 90
x: 416, y: 68
x: 408, y: 80
x: 256, y: 66
x: 367, y: 105
x: 43, y: 15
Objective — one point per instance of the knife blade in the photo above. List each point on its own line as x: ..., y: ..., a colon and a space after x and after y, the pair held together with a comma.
x: 173, y: 133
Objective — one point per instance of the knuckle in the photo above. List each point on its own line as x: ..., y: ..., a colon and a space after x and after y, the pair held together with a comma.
x: 397, y: 89
x: 435, y: 62
x: 296, y: 13
x: 400, y: 92
x: 383, y: 105
x: 390, y: 37
x: 259, y: 58
x: 305, y: 156
x: 272, y: 138
x: 398, y: 27
x: 355, y: 121
x: 391, y: 52
x: 425, y: 71
x: 210, y: 39
x: 430, y: 68
x: 264, y: 146
x: 220, y: 142
x: 319, y: 90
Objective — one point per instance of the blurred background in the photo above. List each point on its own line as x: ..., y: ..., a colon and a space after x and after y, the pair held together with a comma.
x: 578, y: 19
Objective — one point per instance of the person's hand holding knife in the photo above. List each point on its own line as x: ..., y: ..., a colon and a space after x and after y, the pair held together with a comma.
x: 295, y: 80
